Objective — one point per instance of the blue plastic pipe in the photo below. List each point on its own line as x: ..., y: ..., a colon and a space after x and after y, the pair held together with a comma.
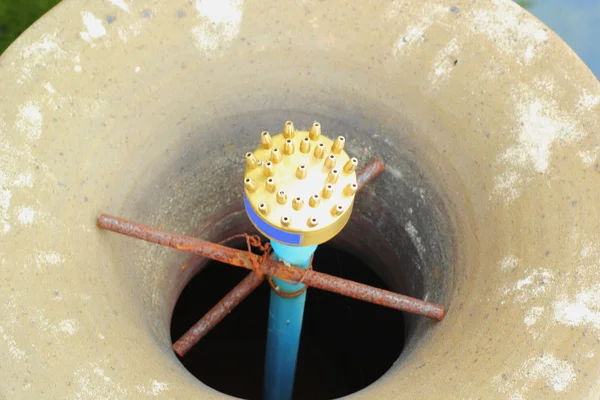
x: 285, y: 325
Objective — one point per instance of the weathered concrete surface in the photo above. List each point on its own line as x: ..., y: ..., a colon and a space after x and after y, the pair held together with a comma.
x: 144, y: 108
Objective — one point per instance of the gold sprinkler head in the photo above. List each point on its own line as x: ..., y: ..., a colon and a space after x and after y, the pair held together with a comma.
x: 300, y: 185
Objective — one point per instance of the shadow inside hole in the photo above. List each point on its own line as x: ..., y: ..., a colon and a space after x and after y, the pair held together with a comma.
x: 346, y: 344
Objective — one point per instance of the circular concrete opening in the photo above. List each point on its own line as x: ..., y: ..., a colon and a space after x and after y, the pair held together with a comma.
x: 491, y: 183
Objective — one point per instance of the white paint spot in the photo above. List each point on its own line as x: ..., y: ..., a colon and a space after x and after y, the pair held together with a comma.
x: 121, y: 4
x: 584, y: 309
x: 94, y: 384
x: 68, y: 326
x: 224, y: 17
x: 558, y: 373
x: 532, y: 286
x: 220, y: 12
x: 58, y: 330
x: 589, y: 250
x: 134, y: 30
x: 137, y: 69
x: 24, y: 181
x: 45, y: 45
x: 94, y: 27
x: 539, y: 128
x: 154, y: 389
x: 26, y: 215
x: 511, y: 31
x: 5, y: 196
x: 444, y: 61
x: 49, y: 88
x: 100, y: 372
x: 588, y: 101
x: 508, y: 263
x: 5, y: 193
x: 414, y: 237
x: 100, y: 336
x: 77, y: 68
x: 48, y: 258
x: 589, y: 157
x: 14, y: 351
x: 29, y: 120
x: 507, y: 186
x: 34, y: 55
x: 415, y: 33
x: 532, y: 315
x: 590, y: 354
x: 529, y: 53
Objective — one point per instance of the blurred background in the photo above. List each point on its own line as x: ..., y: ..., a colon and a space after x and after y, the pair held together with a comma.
x: 17, y: 15
x: 576, y: 21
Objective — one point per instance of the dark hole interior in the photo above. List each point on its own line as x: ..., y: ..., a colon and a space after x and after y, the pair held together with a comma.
x: 345, y: 346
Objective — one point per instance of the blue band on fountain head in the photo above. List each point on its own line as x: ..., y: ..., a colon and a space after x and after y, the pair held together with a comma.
x: 270, y: 231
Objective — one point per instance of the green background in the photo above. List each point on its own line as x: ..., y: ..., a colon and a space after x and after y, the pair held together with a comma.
x: 17, y: 15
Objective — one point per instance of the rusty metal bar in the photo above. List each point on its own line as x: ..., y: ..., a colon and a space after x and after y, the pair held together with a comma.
x: 369, y: 172
x: 244, y: 259
x: 244, y: 288
x: 373, y: 295
x: 217, y: 313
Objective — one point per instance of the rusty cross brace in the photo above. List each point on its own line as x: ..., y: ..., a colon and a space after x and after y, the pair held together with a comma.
x: 248, y: 260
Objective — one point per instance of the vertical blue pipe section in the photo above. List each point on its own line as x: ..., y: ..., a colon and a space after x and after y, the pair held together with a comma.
x: 285, y: 325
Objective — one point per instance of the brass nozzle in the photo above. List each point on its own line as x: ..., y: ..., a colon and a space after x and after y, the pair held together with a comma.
x: 250, y: 185
x: 315, y: 131
x: 268, y: 169
x: 281, y: 197
x: 275, y: 156
x: 338, y: 145
x: 330, y: 161
x: 288, y: 130
x: 264, y: 208
x: 265, y: 140
x: 350, y: 189
x: 305, y: 145
x: 319, y: 151
x: 297, y: 203
x: 301, y: 172
x: 333, y: 176
x: 350, y: 165
x: 289, y: 147
x: 271, y: 185
x: 327, y: 191
x: 251, y: 161
x: 337, y: 210
x: 314, y: 200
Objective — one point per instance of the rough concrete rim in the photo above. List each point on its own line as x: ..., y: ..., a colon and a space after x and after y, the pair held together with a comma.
x: 502, y: 114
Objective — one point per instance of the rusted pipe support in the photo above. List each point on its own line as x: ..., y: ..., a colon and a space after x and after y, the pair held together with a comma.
x: 244, y: 259
x: 217, y: 313
x: 369, y: 172
x: 251, y: 282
